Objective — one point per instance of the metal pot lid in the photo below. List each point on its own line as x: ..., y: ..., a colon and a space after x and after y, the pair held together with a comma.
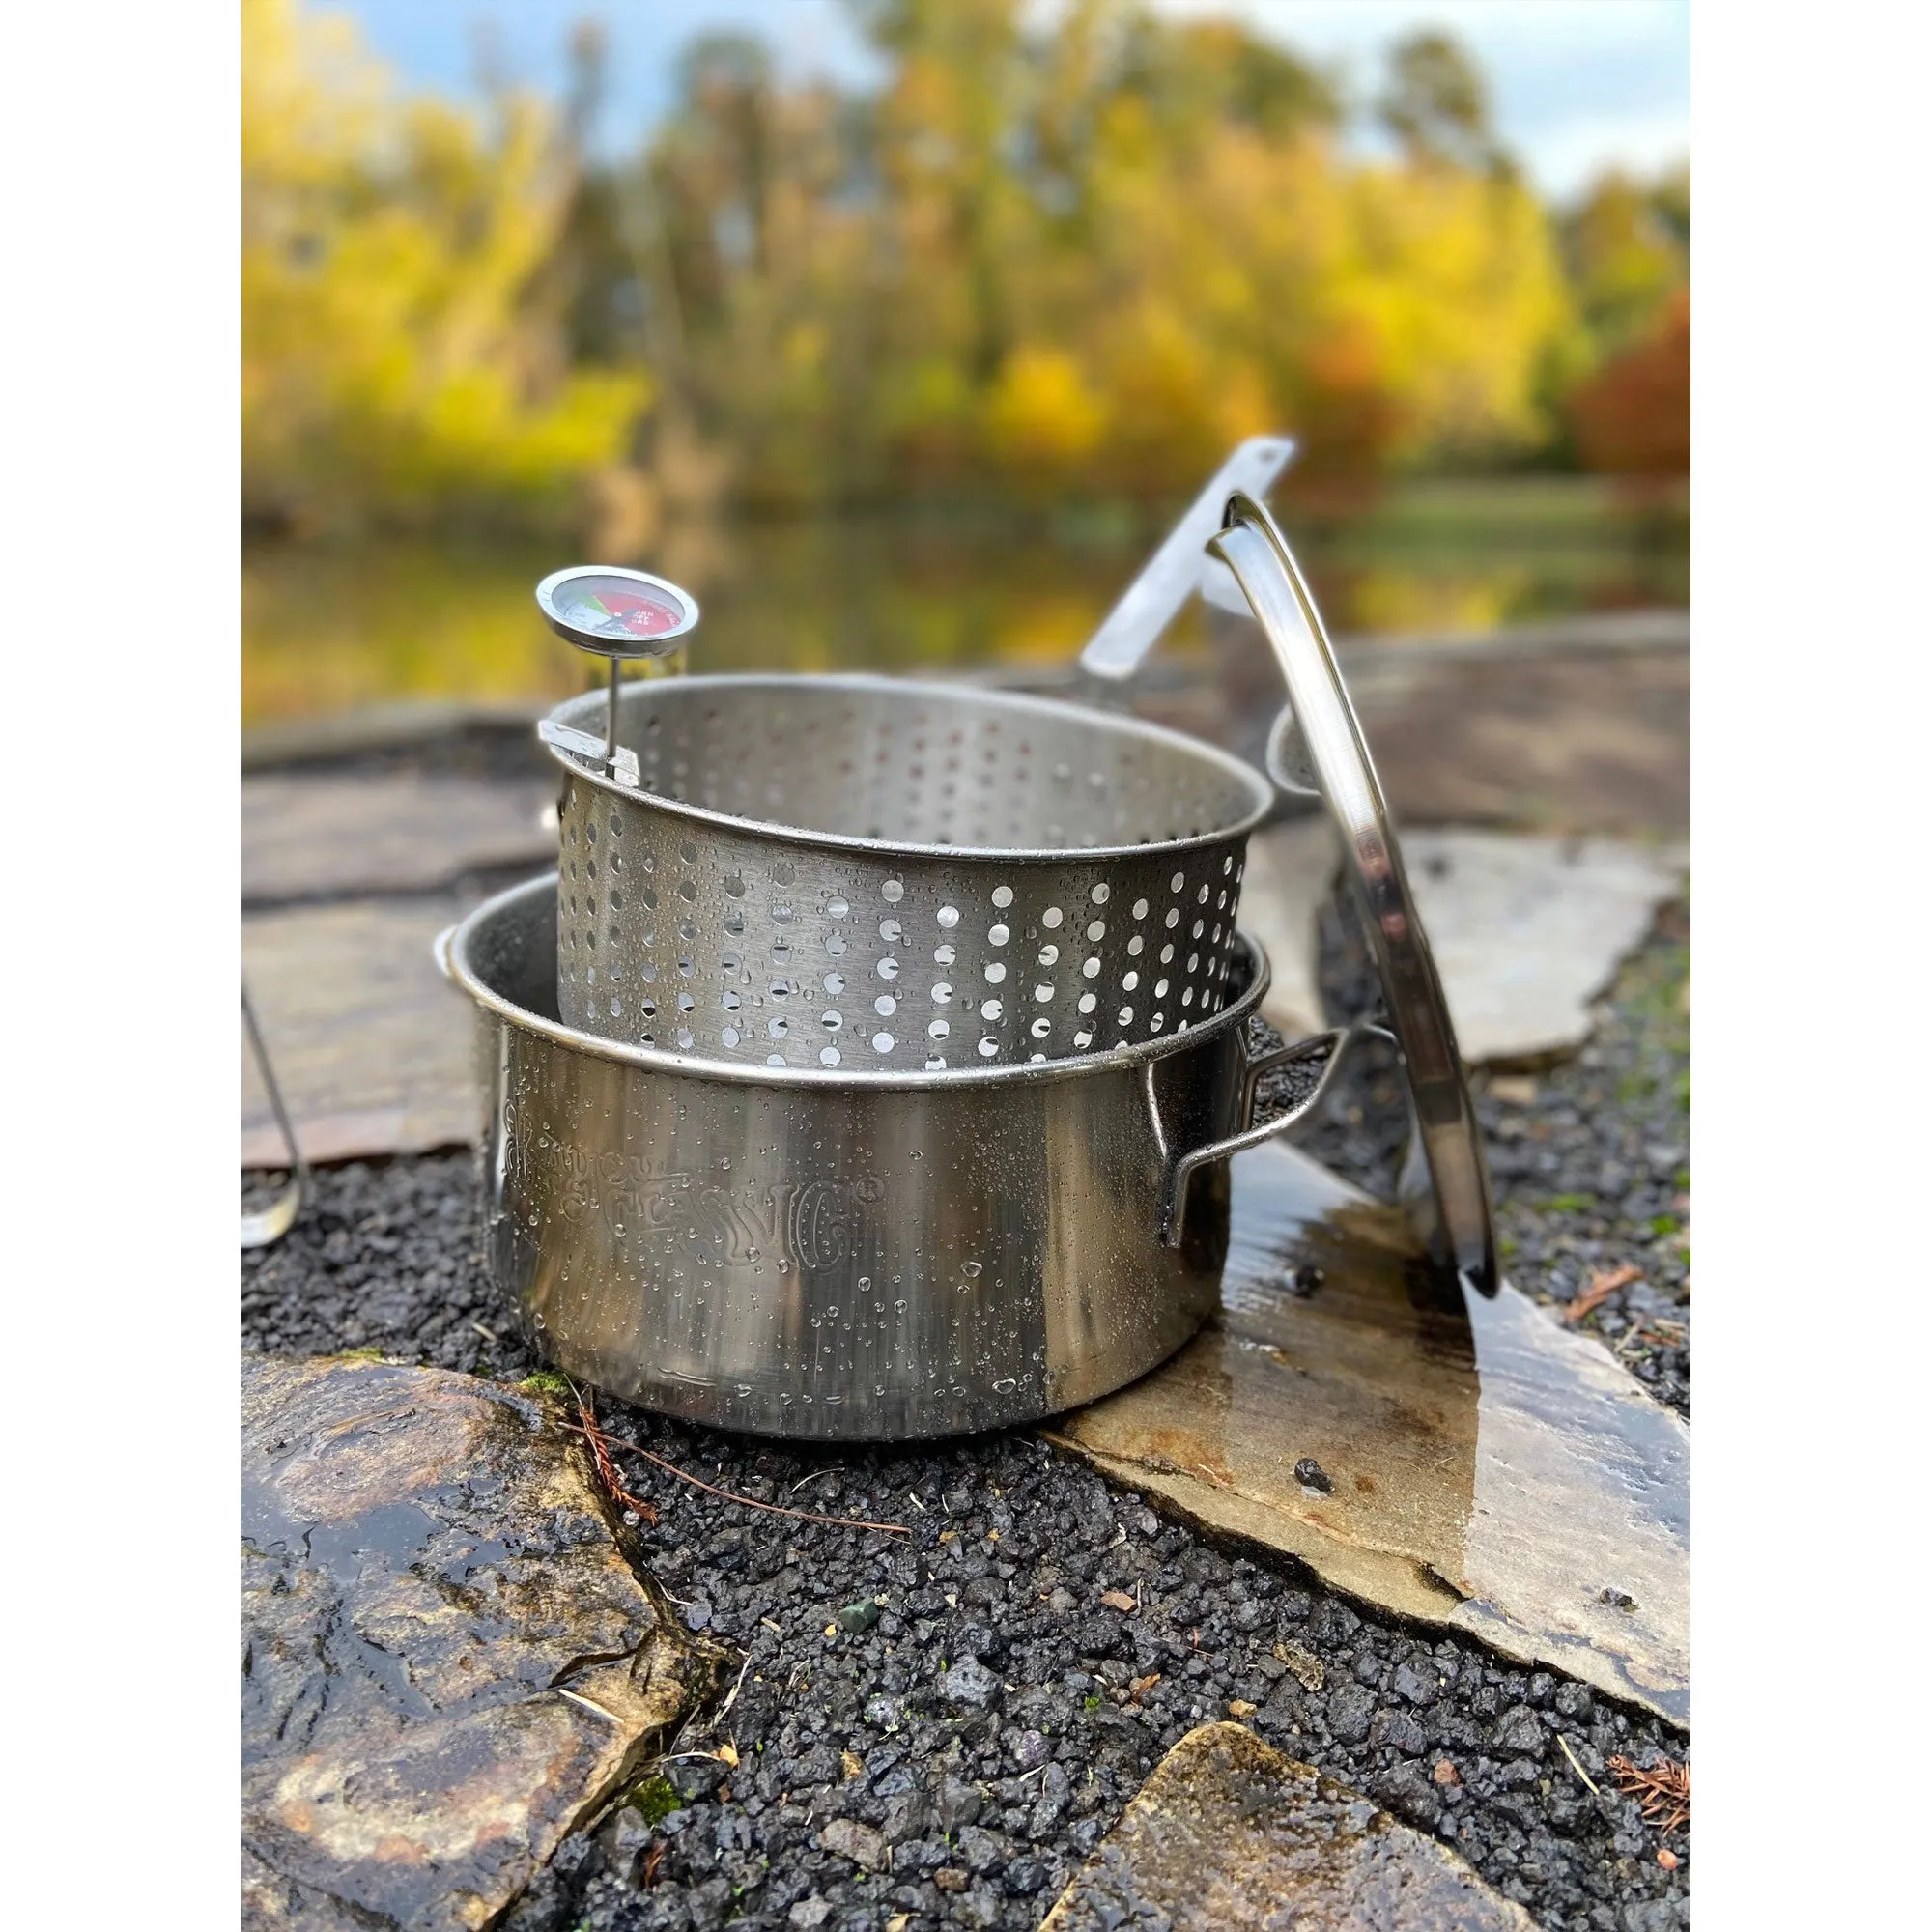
x: 1319, y: 745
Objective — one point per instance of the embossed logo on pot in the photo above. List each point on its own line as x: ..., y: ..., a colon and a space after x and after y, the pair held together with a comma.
x: 815, y: 1223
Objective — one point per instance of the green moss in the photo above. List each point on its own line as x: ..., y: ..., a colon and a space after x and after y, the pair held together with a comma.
x: 654, y: 1798
x: 1664, y: 1224
x: 361, y: 1355
x: 1568, y: 1204
x: 546, y: 1381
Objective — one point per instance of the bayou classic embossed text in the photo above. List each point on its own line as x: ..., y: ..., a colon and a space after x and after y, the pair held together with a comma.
x: 815, y: 1224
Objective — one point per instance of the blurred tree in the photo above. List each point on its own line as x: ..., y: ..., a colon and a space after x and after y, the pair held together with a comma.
x: 1037, y: 258
x: 1670, y: 198
x: 1629, y: 251
x: 1632, y: 417
x: 393, y: 366
x: 1436, y: 104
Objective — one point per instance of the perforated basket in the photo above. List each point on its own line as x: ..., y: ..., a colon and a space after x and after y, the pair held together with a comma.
x: 862, y: 871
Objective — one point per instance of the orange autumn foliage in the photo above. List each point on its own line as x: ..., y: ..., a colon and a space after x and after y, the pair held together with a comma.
x: 1632, y: 418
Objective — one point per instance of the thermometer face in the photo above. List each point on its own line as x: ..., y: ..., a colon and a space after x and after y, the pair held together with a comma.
x: 621, y: 613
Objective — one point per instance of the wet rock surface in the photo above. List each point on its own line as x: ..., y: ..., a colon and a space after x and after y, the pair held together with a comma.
x: 447, y: 1659
x: 1464, y: 1461
x: 988, y: 1810
x: 1229, y: 1834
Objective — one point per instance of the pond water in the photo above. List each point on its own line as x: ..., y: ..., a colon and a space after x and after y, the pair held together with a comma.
x: 332, y: 628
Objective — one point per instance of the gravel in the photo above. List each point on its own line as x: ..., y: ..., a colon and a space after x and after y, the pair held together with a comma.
x: 952, y: 1759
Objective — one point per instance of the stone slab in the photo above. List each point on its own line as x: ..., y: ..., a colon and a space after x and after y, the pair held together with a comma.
x: 1574, y: 740
x: 1227, y: 1833
x: 1526, y: 931
x: 314, y: 836
x: 447, y: 1663
x: 1490, y: 1470
x: 1584, y: 742
x: 371, y: 1044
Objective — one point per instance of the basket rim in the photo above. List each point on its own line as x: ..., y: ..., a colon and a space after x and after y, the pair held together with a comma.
x: 453, y: 950
x: 1261, y: 791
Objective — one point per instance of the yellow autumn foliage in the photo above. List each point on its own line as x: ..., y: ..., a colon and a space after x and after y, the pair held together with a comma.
x: 1076, y: 256
x: 394, y: 364
x: 1042, y: 417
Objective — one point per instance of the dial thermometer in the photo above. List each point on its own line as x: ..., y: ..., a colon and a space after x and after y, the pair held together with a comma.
x: 616, y: 614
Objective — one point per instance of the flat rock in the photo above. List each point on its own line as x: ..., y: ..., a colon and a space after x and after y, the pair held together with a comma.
x: 326, y: 834
x: 371, y: 1044
x: 448, y: 1663
x: 1503, y: 730
x: 1577, y: 741
x: 1490, y: 1470
x: 1526, y: 931
x: 1229, y: 1834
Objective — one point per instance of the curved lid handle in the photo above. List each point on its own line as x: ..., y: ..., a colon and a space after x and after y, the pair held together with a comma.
x: 1451, y: 1185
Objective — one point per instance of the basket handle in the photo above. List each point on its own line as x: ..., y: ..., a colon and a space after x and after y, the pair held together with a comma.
x: 1172, y: 575
x: 1182, y: 1168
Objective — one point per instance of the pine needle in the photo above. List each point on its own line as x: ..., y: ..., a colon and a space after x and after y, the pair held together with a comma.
x: 1663, y: 1795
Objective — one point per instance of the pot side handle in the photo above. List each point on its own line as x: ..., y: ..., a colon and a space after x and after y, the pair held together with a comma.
x: 1182, y: 1167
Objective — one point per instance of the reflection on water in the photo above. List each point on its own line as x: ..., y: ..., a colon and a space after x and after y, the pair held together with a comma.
x: 329, y: 629
x: 1487, y: 1469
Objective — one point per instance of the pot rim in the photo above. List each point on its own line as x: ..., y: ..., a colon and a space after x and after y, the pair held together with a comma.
x: 1261, y: 791
x: 453, y: 950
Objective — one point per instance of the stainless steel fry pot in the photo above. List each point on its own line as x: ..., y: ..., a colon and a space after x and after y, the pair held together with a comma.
x: 815, y: 1252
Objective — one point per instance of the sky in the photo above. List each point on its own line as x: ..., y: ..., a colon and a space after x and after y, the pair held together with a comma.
x: 1577, y: 85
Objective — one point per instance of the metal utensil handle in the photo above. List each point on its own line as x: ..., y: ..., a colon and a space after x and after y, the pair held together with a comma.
x: 268, y: 1225
x: 1455, y: 1206
x: 1132, y: 628
x: 1182, y: 1168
